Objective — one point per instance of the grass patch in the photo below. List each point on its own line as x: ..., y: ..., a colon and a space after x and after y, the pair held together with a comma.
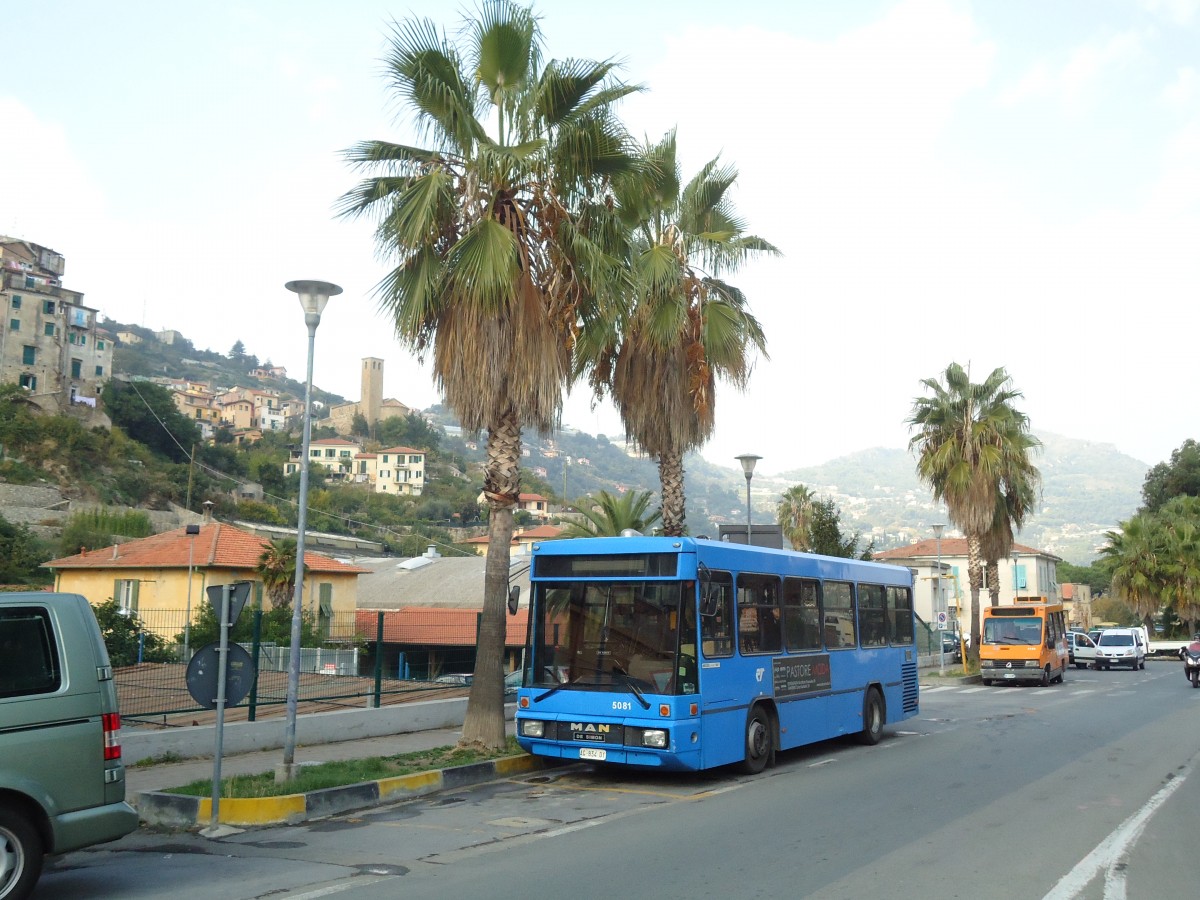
x: 168, y: 757
x: 344, y: 772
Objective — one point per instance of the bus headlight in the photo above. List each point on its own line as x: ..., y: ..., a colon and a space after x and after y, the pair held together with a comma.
x: 533, y: 728
x: 654, y: 737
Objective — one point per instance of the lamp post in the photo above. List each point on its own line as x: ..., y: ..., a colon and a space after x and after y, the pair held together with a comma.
x: 748, y: 460
x: 192, y: 531
x: 313, y: 297
x: 937, y: 595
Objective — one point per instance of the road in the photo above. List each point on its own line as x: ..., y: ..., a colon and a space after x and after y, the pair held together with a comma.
x: 1080, y: 790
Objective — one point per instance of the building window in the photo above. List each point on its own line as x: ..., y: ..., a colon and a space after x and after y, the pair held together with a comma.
x: 83, y: 340
x: 29, y: 382
x: 49, y: 307
x: 50, y: 329
x: 14, y: 324
x: 76, y: 368
x: 16, y: 301
x: 125, y: 592
x: 29, y: 356
x: 99, y: 371
x: 99, y: 345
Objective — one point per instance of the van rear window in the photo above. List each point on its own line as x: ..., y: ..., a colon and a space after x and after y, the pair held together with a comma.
x: 28, y: 654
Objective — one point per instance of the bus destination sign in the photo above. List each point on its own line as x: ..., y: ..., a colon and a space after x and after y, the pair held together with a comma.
x: 801, y: 675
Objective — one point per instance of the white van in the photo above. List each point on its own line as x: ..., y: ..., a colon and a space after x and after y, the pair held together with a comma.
x: 62, y: 782
x: 1121, y: 647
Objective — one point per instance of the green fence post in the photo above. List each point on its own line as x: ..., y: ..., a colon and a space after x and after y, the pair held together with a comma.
x: 379, y: 660
x: 255, y: 645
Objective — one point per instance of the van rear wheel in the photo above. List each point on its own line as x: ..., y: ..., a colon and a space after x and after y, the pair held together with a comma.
x: 21, y: 854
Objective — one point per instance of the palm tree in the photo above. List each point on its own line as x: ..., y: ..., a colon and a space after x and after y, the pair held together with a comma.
x: 277, y: 570
x: 659, y: 357
x: 605, y: 514
x: 1136, y: 558
x: 491, y: 239
x: 970, y: 442
x: 1013, y: 502
x: 795, y: 515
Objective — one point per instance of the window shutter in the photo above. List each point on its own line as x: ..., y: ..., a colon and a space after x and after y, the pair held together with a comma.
x: 1021, y: 577
x: 326, y: 599
x: 133, y: 601
x: 117, y: 592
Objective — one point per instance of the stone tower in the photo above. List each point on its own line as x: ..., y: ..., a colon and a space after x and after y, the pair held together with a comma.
x: 371, y: 398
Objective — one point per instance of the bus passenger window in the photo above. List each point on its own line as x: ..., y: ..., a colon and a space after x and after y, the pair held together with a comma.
x: 801, y: 614
x: 839, y: 615
x: 716, y: 631
x: 871, y: 619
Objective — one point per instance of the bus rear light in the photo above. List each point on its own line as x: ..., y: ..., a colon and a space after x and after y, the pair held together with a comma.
x: 111, y: 723
x: 664, y: 710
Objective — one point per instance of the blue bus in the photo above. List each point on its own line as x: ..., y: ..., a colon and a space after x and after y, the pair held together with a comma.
x: 688, y: 653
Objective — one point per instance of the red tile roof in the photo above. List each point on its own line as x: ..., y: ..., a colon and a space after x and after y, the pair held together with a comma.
x: 541, y: 533
x: 434, y: 627
x: 403, y: 450
x: 950, y: 547
x: 216, y: 546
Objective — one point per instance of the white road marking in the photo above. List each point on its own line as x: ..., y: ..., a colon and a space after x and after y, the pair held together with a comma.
x: 1109, y: 854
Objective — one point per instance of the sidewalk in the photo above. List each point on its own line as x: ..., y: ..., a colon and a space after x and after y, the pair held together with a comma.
x: 164, y: 776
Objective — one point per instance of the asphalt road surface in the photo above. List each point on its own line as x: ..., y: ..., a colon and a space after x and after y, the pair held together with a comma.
x: 1081, y: 790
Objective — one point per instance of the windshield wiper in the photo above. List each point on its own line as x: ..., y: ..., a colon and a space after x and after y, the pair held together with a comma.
x: 558, y: 687
x: 633, y: 688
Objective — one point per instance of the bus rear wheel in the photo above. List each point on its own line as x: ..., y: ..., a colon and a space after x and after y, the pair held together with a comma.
x: 758, y: 742
x: 872, y: 729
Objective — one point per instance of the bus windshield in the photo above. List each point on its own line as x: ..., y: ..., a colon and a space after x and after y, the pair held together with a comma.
x: 1012, y: 630
x: 615, y: 636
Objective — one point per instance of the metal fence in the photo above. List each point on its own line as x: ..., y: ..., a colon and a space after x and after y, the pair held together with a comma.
x: 345, y: 668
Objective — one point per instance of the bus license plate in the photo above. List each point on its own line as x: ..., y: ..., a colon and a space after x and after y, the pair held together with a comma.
x: 592, y: 753
x: 1009, y: 675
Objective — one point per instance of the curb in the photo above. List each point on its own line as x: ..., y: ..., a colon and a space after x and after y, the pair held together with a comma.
x: 182, y: 811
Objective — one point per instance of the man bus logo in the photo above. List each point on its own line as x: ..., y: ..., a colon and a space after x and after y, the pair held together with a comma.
x: 590, y: 728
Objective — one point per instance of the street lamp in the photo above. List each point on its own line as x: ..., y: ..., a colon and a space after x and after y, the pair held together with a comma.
x: 313, y: 297
x: 937, y: 594
x: 192, y: 531
x: 748, y: 460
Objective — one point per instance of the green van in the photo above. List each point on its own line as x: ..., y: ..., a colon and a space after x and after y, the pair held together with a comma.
x: 62, y: 782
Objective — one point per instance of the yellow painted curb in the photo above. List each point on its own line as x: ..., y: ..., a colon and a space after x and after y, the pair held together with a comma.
x: 408, y: 784
x: 254, y: 810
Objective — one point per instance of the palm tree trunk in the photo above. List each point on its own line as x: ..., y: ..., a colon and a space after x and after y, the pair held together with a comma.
x: 993, y: 580
x: 975, y: 578
x: 483, y: 725
x: 670, y: 476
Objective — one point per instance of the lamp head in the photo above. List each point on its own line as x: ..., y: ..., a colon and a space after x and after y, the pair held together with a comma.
x: 748, y: 460
x: 937, y: 530
x: 313, y: 295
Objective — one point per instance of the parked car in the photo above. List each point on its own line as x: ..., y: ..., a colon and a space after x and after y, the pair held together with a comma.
x: 1121, y: 647
x: 62, y: 782
x: 463, y: 679
x: 512, y: 681
x: 1081, y: 649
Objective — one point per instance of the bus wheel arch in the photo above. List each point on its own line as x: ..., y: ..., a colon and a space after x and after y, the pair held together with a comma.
x: 874, y: 716
x: 761, y: 738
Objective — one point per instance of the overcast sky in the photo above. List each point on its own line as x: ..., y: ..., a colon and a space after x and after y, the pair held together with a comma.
x: 1012, y: 183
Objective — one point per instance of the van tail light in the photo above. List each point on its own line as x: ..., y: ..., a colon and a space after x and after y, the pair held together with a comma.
x: 112, y: 735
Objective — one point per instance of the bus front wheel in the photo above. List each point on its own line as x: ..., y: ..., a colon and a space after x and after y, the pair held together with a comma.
x: 758, y: 742
x: 872, y: 729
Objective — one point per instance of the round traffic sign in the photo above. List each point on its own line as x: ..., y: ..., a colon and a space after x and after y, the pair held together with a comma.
x: 203, y: 671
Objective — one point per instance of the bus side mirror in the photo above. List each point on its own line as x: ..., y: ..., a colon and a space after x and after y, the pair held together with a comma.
x: 514, y: 597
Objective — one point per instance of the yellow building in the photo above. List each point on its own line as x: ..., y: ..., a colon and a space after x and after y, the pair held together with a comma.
x: 150, y: 577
